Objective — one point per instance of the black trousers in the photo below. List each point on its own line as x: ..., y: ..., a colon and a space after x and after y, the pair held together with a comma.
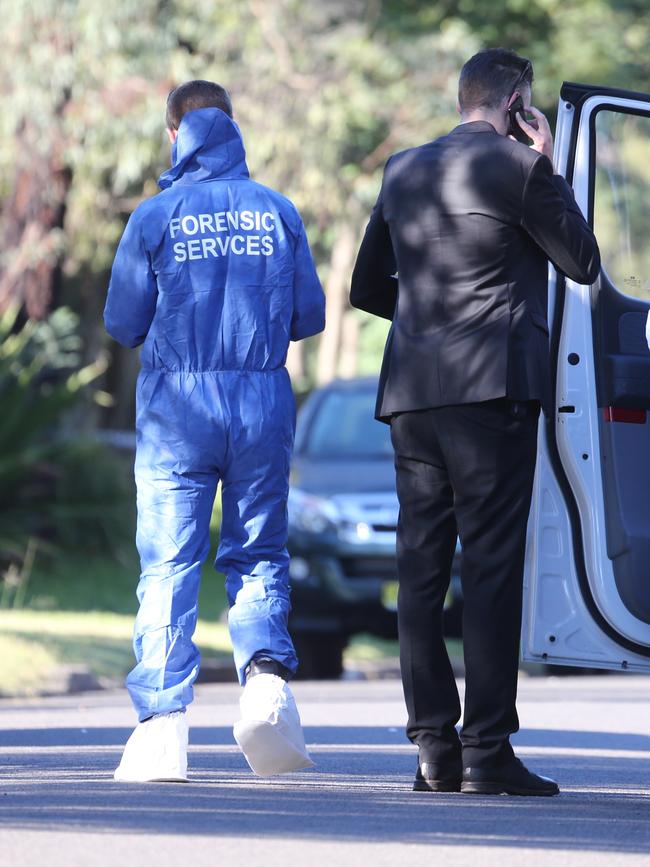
x: 469, y: 470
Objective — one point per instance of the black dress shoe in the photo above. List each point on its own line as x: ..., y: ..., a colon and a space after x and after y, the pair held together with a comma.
x: 509, y: 778
x: 266, y: 665
x: 432, y: 777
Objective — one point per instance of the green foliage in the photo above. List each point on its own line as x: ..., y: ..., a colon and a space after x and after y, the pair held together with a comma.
x: 373, y: 332
x: 510, y: 23
x: 323, y: 91
x: 54, y: 487
x: 322, y: 99
x: 621, y: 206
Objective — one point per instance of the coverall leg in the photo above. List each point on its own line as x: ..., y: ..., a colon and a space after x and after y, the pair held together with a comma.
x: 176, y: 477
x: 174, y: 508
x: 238, y: 426
x: 252, y: 552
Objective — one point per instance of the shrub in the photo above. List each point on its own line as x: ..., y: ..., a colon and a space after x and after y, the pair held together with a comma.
x: 57, y: 487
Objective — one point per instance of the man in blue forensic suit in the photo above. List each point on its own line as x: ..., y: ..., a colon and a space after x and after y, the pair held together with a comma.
x: 214, y: 277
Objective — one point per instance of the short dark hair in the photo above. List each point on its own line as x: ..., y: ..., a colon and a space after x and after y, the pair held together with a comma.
x: 491, y: 75
x: 195, y: 94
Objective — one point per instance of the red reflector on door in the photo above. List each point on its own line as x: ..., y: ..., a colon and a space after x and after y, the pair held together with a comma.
x: 631, y: 416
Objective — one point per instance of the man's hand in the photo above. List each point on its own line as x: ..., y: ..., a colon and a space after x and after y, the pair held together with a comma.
x: 539, y: 131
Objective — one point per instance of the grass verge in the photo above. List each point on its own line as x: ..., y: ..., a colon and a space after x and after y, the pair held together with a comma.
x: 365, y: 650
x: 79, y: 612
x: 34, y: 645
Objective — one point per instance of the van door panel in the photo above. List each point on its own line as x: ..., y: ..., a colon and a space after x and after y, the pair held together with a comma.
x: 587, y: 583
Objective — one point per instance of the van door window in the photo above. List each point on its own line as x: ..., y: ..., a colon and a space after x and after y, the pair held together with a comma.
x: 622, y: 199
x: 621, y: 212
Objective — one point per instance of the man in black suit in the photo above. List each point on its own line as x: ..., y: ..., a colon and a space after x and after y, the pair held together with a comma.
x: 456, y: 254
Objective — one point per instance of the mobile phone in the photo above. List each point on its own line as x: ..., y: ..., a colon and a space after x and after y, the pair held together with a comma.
x: 514, y: 129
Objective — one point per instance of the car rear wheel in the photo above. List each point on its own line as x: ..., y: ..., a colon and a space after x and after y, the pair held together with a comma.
x: 320, y: 655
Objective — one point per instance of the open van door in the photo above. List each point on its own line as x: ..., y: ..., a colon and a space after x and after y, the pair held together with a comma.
x: 587, y: 577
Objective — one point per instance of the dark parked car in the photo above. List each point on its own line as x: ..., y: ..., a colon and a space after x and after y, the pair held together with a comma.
x: 342, y: 520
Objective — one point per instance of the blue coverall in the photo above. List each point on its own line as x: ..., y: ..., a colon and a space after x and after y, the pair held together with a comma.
x: 214, y: 275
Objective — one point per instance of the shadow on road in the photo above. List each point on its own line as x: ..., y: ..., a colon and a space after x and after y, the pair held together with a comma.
x: 360, y: 791
x: 359, y: 736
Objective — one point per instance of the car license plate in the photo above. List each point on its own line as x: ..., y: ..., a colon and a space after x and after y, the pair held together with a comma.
x: 389, y: 595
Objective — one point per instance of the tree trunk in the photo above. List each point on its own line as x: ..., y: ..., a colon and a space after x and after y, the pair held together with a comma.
x: 348, y: 364
x: 336, y: 294
x: 31, y: 222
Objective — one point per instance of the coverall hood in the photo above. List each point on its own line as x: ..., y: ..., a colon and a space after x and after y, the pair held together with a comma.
x: 209, y: 146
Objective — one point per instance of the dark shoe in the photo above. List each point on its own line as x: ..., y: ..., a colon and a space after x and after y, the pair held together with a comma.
x: 510, y: 778
x: 431, y: 777
x: 266, y: 665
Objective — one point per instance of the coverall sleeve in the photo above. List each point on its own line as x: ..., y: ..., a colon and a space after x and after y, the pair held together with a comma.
x: 308, y: 296
x: 553, y: 219
x: 132, y: 292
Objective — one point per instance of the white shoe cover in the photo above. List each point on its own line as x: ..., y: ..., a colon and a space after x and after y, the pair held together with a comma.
x: 269, y: 733
x: 156, y: 752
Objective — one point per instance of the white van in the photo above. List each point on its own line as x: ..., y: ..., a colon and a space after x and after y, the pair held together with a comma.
x: 587, y: 578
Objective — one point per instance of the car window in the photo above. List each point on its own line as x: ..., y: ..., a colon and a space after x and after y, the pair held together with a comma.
x: 344, y: 427
x: 622, y: 199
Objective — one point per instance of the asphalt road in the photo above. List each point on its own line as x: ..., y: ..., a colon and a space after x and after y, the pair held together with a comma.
x: 60, y: 806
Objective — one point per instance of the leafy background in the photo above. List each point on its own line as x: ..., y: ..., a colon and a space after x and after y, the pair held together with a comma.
x: 324, y: 91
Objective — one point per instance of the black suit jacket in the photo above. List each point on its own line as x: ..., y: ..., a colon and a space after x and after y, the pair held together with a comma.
x: 468, y: 222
